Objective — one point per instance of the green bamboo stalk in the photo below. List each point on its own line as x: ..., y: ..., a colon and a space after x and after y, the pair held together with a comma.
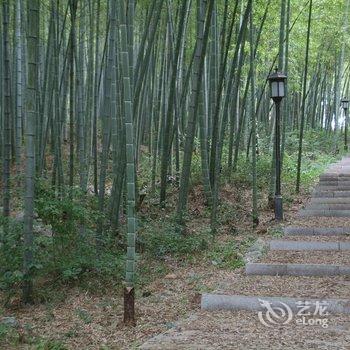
x: 7, y: 111
x: 31, y: 117
x: 302, y: 122
x: 106, y: 120
x: 203, y: 26
x: 18, y: 84
x: 166, y: 144
x: 96, y: 92
x: 129, y: 314
x: 73, y: 10
x: 255, y: 214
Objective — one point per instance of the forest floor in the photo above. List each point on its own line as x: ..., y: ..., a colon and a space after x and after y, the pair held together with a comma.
x: 243, y: 330
x: 92, y: 319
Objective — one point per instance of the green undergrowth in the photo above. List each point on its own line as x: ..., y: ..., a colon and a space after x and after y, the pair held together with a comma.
x: 12, y: 338
x: 68, y: 250
x: 315, y: 159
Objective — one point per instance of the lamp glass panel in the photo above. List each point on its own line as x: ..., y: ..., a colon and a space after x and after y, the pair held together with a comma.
x: 281, y: 88
x: 274, y: 89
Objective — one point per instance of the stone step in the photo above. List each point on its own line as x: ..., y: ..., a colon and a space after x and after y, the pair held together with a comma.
x: 334, y: 178
x: 329, y: 177
x: 333, y: 183
x: 324, y: 213
x: 323, y: 206
x: 316, y: 270
x: 330, y: 200
x: 213, y: 302
x: 332, y: 188
x: 339, y: 173
x: 308, y: 245
x: 316, y: 231
x: 339, y: 168
x: 330, y: 194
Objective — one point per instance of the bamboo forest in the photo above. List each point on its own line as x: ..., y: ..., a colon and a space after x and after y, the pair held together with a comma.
x: 175, y: 174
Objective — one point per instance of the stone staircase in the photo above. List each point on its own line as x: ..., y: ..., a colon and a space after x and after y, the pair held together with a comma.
x: 309, y: 266
x: 296, y: 256
x: 331, y: 198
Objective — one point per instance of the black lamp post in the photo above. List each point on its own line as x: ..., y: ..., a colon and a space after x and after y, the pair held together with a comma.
x: 345, y: 105
x: 278, y: 87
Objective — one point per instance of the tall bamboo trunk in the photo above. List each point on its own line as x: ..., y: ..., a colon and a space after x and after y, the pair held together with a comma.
x: 31, y: 117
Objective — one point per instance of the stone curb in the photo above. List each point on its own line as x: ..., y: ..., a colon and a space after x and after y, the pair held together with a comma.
x: 325, y: 206
x: 311, y: 231
x: 327, y: 213
x: 326, y: 200
x: 334, y: 182
x: 334, y: 175
x: 330, y: 194
x: 338, y: 187
x: 297, y: 270
x: 254, y: 303
x: 307, y: 245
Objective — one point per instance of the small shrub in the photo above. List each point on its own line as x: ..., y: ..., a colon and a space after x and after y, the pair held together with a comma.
x: 166, y: 241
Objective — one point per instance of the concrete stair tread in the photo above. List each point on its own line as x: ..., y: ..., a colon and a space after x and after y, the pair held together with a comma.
x: 330, y: 200
x: 295, y: 269
x: 335, y: 188
x: 306, y: 257
x: 314, y: 238
x: 301, y: 245
x: 216, y: 301
x: 325, y: 213
x: 326, y: 206
x: 331, y: 194
x: 322, y: 231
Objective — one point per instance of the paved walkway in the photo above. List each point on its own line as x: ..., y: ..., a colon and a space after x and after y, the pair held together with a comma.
x: 296, y: 296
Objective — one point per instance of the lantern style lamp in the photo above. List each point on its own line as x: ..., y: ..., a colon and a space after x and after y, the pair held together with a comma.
x: 345, y: 105
x: 278, y: 91
x: 277, y: 85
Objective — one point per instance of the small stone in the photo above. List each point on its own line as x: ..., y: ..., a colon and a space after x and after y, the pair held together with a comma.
x: 170, y: 325
x: 171, y: 276
x: 10, y: 322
